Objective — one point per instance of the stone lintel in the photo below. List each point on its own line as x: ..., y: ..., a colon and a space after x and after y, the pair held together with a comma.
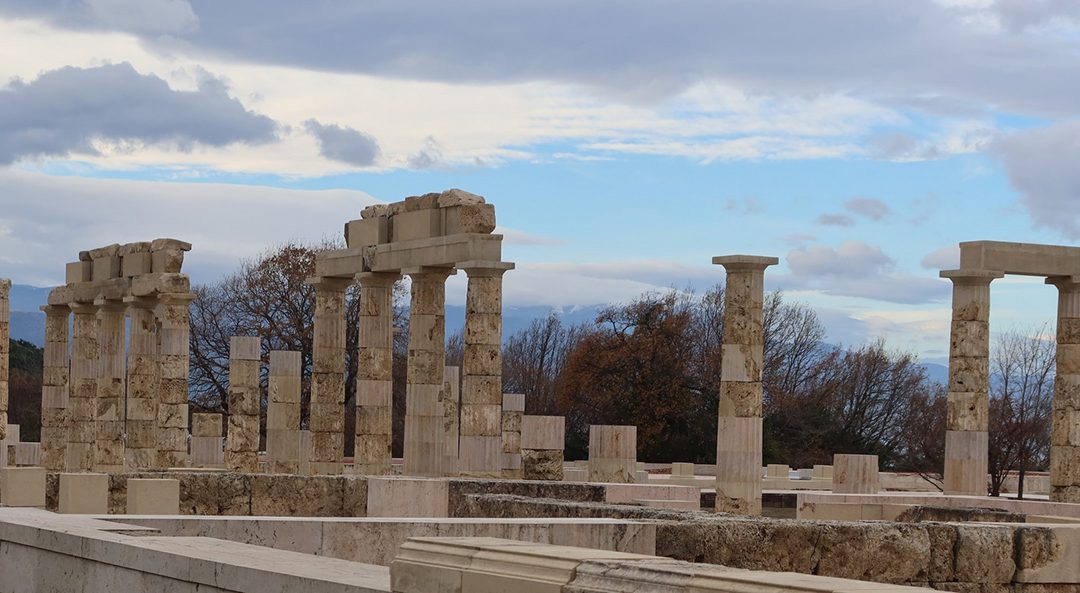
x: 164, y: 243
x: 83, y: 308
x: 443, y: 251
x: 329, y: 283
x: 485, y: 268
x: 425, y: 270
x: 176, y: 298
x: 745, y: 262
x: 141, y: 302
x: 378, y: 278
x: 971, y: 276
x: 1026, y: 259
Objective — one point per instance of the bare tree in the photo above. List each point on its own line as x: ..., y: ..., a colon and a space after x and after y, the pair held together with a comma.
x: 533, y: 358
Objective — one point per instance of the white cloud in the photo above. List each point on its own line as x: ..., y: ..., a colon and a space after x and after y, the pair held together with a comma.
x: 1042, y: 166
x: 856, y: 269
x: 943, y: 258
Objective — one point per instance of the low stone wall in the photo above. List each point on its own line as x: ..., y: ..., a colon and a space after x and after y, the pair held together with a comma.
x: 948, y: 556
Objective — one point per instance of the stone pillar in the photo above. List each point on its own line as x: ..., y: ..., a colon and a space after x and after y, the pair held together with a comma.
x: 326, y: 418
x: 969, y: 383
x: 738, y: 435
x: 143, y: 381
x: 451, y: 407
x: 1065, y: 426
x: 543, y: 439
x: 5, y: 353
x: 513, y: 409
x: 82, y: 399
x: 206, y: 441
x: 375, y: 374
x: 174, y: 333
x: 855, y: 474
x: 55, y: 419
x: 283, y: 412
x: 245, y: 360
x: 612, y: 454
x: 424, y: 446
x: 109, y: 447
x: 480, y: 448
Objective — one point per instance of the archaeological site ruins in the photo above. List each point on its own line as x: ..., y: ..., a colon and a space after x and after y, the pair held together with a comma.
x: 128, y: 490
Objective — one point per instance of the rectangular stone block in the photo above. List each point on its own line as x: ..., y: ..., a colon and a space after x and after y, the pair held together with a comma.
x: 367, y: 232
x: 207, y: 452
x: 419, y: 224
x: 245, y: 348
x: 283, y: 416
x: 469, y: 218
x: 407, y: 497
x: 856, y: 474
x: 543, y: 432
x: 147, y: 496
x: 135, y: 264
x: 206, y: 425
x: 513, y: 402
x: 105, y: 268
x: 84, y: 494
x: 80, y: 271
x: 22, y: 487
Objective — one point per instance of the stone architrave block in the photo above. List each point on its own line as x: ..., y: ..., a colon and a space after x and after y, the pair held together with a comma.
x: 153, y: 496
x: 22, y: 487
x: 419, y: 224
x: 367, y: 232
x: 79, y: 271
x: 84, y: 494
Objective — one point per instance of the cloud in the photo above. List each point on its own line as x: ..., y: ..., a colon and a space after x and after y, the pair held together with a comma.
x: 344, y: 144
x: 871, y: 208
x: 835, y: 219
x: 152, y: 17
x: 943, y: 258
x: 89, y: 110
x: 47, y: 220
x: 429, y: 157
x: 1042, y: 165
x: 890, y: 48
x: 855, y: 269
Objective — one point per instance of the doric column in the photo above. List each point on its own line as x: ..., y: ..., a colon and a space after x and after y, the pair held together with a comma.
x: 82, y: 398
x: 326, y: 418
x: 109, y: 448
x: 969, y: 382
x: 738, y: 439
x: 424, y: 447
x: 480, y: 447
x: 143, y: 383
x: 283, y: 412
x: 5, y: 346
x: 1064, y: 435
x: 174, y: 334
x: 242, y: 447
x: 374, y: 374
x: 54, y: 389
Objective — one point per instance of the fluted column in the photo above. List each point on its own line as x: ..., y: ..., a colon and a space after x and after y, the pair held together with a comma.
x: 109, y: 450
x: 55, y: 418
x: 174, y: 333
x: 326, y: 418
x: 480, y: 447
x: 5, y: 346
x: 374, y: 374
x: 739, y: 430
x: 424, y: 446
x: 245, y: 393
x: 82, y: 398
x: 1065, y: 426
x: 143, y: 383
x: 969, y: 382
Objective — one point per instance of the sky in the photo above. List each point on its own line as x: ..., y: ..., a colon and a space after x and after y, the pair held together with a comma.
x: 623, y: 143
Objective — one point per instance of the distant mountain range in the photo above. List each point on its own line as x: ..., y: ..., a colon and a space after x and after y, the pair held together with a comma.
x: 28, y: 322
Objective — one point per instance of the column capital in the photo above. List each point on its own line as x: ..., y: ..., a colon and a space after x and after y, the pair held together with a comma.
x: 110, y: 305
x: 56, y: 310
x: 479, y: 268
x: 745, y: 262
x: 176, y: 298
x: 83, y: 308
x: 141, y: 302
x: 329, y: 283
x: 971, y: 277
x: 438, y: 272
x: 1064, y: 283
x: 378, y: 278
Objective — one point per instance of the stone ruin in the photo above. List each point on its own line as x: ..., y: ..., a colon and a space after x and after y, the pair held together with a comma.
x: 209, y: 512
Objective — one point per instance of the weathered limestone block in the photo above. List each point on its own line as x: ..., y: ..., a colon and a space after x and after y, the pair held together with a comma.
x: 109, y: 444
x: 425, y: 450
x: 283, y: 412
x: 242, y: 449
x: 54, y: 390
x: 612, y: 453
x: 153, y: 496
x: 82, y: 398
x: 513, y: 408
x: 856, y: 474
x: 450, y: 396
x: 328, y: 378
x: 1065, y: 423
x: 173, y: 338
x: 84, y: 494
x: 374, y: 374
x: 542, y: 464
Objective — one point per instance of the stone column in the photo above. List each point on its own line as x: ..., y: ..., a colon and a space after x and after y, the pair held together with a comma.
x: 738, y: 435
x: 174, y: 334
x: 283, y: 412
x: 206, y: 441
x: 969, y: 382
x: 480, y: 447
x: 55, y: 419
x: 543, y: 439
x: 424, y: 446
x: 143, y: 381
x: 513, y: 409
x: 375, y: 374
x: 82, y: 399
x: 451, y: 407
x: 856, y: 474
x: 5, y: 352
x: 326, y: 418
x: 1065, y: 426
x: 612, y: 454
x: 109, y: 448
x: 245, y: 393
